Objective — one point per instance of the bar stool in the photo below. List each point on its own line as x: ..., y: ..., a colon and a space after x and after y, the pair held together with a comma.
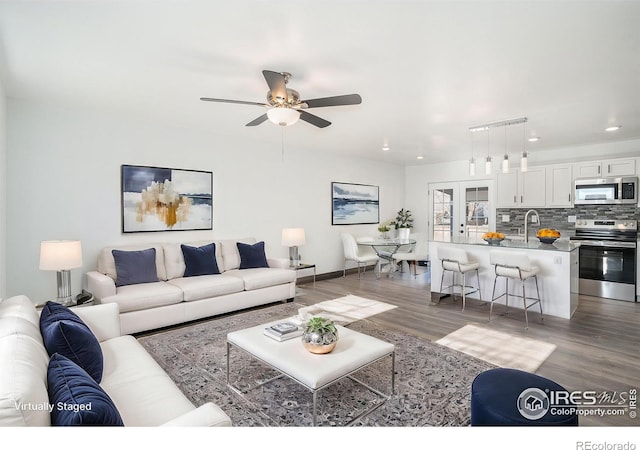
x: 456, y: 261
x: 514, y: 266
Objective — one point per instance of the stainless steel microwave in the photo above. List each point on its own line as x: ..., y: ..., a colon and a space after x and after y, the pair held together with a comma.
x: 606, y: 191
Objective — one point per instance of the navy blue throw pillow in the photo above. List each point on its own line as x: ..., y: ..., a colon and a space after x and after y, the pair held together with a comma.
x: 135, y: 267
x: 252, y: 256
x: 65, y: 333
x: 200, y: 260
x: 75, y: 397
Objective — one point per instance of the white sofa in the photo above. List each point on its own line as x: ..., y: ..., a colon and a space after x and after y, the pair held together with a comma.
x: 142, y: 392
x: 176, y: 299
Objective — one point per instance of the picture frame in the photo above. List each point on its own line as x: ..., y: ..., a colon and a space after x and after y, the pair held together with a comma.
x: 165, y: 199
x: 354, y: 204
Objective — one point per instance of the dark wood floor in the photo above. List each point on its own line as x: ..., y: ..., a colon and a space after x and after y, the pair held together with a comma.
x: 597, y: 350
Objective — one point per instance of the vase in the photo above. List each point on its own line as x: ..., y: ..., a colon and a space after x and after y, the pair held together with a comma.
x: 403, y: 233
x: 319, y: 343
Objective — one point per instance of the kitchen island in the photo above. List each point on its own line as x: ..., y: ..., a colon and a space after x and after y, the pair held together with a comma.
x: 557, y: 279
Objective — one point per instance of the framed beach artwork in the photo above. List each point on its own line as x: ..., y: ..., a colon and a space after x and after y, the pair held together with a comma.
x: 353, y: 204
x: 163, y: 199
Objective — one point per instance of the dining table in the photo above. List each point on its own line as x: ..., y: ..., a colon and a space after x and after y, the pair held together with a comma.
x: 385, y: 248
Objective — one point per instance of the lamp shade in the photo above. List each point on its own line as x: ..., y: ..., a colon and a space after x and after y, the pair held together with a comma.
x: 292, y: 237
x: 283, y: 116
x: 60, y: 255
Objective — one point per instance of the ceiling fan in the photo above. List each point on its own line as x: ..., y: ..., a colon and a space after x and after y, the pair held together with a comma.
x: 284, y: 104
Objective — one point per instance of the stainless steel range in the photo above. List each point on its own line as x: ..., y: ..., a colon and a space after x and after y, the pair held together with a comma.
x: 607, y: 257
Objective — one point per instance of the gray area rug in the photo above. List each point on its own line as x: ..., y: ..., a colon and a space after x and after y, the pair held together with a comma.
x: 433, y: 382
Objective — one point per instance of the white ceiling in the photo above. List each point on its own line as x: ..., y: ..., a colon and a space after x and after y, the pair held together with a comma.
x: 426, y: 70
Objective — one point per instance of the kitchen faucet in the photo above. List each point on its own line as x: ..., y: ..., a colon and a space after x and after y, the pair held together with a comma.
x: 526, y: 223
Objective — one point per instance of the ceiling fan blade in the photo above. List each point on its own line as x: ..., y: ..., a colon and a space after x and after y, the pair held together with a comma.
x: 276, y: 82
x: 314, y: 120
x: 239, y: 102
x: 257, y: 121
x: 339, y: 100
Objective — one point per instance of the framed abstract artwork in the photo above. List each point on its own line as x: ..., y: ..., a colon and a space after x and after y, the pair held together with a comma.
x: 353, y: 204
x: 163, y: 199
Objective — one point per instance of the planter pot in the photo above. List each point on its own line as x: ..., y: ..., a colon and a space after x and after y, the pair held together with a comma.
x: 319, y: 343
x: 403, y: 233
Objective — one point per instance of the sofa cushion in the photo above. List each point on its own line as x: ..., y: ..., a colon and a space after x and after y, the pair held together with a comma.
x: 260, y: 277
x: 252, y: 256
x: 174, y: 259
x: 107, y: 265
x: 207, y: 286
x: 19, y: 306
x: 136, y: 297
x: 200, y: 260
x: 23, y: 366
x: 135, y: 267
x: 230, y: 253
x: 141, y: 390
x: 65, y: 333
x: 76, y: 398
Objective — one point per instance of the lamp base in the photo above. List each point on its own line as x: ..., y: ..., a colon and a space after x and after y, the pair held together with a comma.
x: 294, y: 257
x: 64, y: 288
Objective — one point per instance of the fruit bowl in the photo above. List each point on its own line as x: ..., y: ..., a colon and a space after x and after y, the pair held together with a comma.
x: 493, y: 241
x: 493, y: 237
x: 548, y: 235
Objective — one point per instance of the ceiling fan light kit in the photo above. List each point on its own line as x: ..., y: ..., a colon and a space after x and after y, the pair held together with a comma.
x: 285, y: 106
x: 283, y: 116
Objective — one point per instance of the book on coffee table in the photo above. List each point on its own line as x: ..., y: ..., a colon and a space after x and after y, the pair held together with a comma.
x: 283, y: 331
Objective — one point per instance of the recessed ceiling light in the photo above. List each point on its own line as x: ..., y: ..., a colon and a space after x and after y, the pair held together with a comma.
x: 385, y: 148
x: 613, y: 128
x: 419, y: 157
x: 533, y: 139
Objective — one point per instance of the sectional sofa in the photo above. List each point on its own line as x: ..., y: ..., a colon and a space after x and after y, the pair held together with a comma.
x: 115, y: 381
x: 169, y: 293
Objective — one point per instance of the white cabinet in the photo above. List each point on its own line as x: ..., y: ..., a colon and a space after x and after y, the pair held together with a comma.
x: 518, y: 189
x: 559, y: 189
x: 607, y: 168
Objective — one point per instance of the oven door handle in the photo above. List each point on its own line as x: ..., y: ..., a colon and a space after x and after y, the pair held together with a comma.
x: 613, y: 244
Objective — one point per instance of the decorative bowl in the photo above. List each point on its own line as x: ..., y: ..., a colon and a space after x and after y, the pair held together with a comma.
x: 493, y: 241
x: 547, y: 240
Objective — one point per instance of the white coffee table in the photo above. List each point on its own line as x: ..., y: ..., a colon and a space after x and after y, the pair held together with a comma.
x: 353, y: 352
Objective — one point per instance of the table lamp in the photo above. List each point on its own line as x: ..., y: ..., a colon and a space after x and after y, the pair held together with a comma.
x: 61, y: 256
x: 292, y: 238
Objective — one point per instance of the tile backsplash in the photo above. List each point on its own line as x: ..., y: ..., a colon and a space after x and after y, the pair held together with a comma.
x: 558, y: 218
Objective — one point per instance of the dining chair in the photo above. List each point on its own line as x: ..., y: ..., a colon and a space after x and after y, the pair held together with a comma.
x: 419, y: 252
x: 353, y: 253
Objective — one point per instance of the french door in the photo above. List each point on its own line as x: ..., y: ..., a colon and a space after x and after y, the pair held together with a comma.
x: 460, y: 211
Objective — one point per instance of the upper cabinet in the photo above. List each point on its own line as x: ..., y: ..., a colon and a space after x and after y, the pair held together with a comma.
x: 559, y: 188
x: 607, y: 168
x: 518, y: 189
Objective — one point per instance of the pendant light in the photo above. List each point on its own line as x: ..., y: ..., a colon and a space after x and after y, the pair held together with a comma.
x: 524, y: 166
x: 505, y: 161
x: 487, y: 163
x: 472, y: 161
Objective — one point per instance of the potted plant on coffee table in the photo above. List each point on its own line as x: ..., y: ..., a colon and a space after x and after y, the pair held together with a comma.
x: 320, y: 335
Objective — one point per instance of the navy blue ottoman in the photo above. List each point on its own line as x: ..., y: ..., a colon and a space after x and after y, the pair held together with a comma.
x: 517, y: 398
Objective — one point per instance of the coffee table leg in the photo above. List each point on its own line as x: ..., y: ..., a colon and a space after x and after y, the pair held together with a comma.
x: 228, y: 351
x: 315, y: 399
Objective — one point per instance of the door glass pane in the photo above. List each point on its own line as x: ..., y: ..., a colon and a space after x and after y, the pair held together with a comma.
x: 442, y: 213
x: 477, y: 212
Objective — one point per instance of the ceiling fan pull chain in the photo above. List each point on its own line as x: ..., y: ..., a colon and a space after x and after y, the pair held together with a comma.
x: 282, y: 128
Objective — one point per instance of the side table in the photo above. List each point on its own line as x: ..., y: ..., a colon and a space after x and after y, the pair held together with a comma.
x: 303, y: 266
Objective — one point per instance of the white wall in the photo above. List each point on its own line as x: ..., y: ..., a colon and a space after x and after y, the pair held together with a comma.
x: 418, y: 178
x: 64, y: 183
x: 3, y: 191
